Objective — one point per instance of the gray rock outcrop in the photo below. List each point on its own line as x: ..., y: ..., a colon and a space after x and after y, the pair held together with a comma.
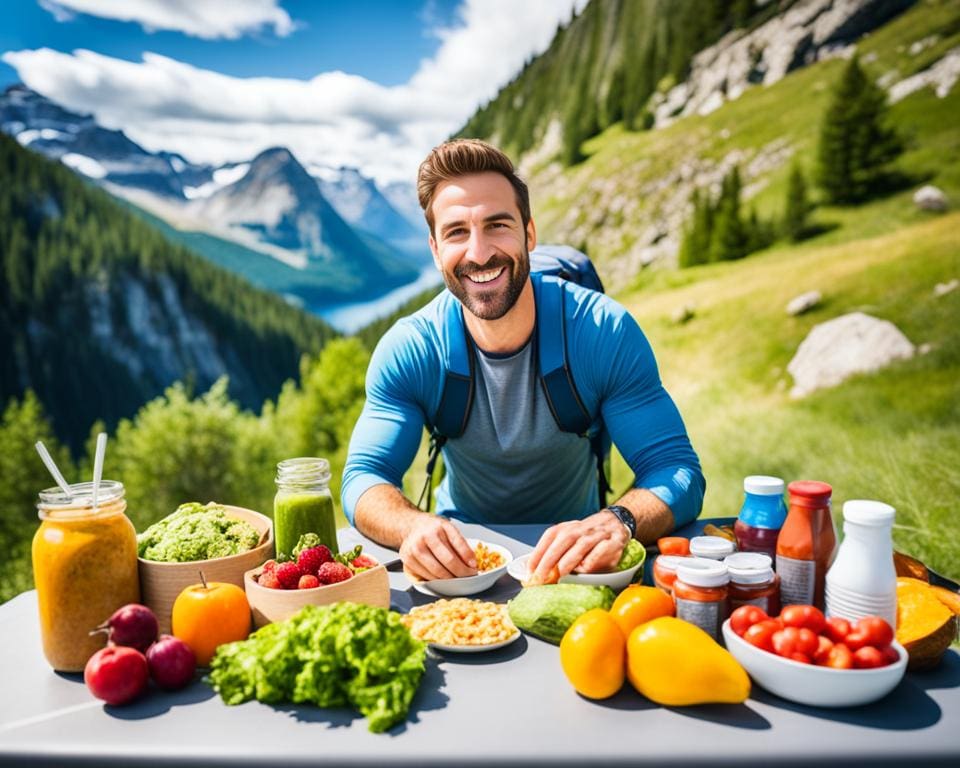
x: 811, y: 30
x: 843, y: 347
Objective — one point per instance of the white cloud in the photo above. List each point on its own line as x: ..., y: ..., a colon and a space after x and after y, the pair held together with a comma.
x: 333, y: 119
x: 201, y: 18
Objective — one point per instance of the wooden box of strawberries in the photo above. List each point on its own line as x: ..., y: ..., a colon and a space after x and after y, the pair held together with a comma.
x: 276, y: 591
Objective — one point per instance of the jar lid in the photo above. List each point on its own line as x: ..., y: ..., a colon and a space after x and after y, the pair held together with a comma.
x: 864, y: 512
x: 712, y: 547
x: 81, y: 495
x: 763, y: 485
x: 748, y: 561
x: 700, y: 572
x: 752, y: 571
x: 809, y: 493
x: 305, y: 471
x: 669, y: 562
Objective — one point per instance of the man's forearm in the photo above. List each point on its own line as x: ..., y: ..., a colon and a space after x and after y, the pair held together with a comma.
x: 654, y: 518
x: 385, y: 515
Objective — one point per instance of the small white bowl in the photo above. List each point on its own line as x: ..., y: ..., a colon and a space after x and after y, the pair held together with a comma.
x: 813, y: 685
x: 616, y: 580
x: 468, y: 585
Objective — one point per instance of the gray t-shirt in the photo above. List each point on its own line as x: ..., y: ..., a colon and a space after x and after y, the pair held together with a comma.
x: 513, y: 461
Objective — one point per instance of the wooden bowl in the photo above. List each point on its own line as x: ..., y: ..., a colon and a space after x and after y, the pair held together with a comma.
x: 268, y: 605
x: 160, y: 583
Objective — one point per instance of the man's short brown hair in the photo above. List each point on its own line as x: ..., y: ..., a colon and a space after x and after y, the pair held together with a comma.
x: 461, y: 157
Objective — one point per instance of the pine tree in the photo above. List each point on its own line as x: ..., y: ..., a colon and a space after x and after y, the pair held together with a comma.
x: 695, y: 246
x: 797, y: 206
x: 728, y: 238
x: 855, y: 144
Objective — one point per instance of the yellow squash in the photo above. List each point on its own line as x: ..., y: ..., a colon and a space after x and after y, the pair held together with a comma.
x: 677, y: 664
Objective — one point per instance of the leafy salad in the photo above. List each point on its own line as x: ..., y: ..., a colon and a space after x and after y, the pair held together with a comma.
x: 338, y: 655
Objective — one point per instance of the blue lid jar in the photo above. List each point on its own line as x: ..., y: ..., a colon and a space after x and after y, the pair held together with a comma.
x: 763, y: 505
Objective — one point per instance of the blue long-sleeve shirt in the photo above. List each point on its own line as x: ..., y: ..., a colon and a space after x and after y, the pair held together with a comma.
x: 533, y: 473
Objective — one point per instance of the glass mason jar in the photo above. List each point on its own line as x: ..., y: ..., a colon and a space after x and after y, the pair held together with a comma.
x: 84, y: 567
x: 303, y: 504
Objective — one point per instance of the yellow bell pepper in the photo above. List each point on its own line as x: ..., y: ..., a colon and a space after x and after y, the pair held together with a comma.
x: 677, y: 664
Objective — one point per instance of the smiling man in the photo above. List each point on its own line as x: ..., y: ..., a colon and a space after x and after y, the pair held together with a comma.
x: 512, y: 463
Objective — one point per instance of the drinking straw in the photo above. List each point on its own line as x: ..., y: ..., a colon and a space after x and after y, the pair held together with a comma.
x: 52, y: 467
x: 98, y: 465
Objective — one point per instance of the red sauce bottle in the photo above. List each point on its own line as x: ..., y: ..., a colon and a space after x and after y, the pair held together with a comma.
x: 806, y: 544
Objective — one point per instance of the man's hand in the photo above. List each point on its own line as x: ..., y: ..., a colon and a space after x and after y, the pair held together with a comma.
x: 433, y: 548
x: 587, y: 546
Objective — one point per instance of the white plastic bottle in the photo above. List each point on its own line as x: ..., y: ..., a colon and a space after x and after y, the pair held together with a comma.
x: 863, y: 580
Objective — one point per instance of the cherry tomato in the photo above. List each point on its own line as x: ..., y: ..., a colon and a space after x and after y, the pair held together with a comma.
x: 824, y: 646
x: 761, y: 634
x: 674, y: 545
x: 790, y: 640
x: 871, y: 630
x: 839, y: 657
x: 867, y: 657
x: 801, y: 657
x: 745, y: 617
x: 803, y: 616
x: 837, y: 629
x: 890, y: 655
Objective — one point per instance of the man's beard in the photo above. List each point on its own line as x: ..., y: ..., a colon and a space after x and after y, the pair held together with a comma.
x: 495, y: 303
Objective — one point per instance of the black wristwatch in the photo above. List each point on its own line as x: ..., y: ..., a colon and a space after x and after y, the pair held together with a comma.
x: 625, y: 516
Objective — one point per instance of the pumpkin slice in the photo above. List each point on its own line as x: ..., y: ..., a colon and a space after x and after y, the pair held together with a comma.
x: 925, y: 626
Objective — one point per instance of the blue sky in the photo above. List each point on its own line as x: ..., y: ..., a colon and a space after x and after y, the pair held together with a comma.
x: 381, y: 40
x: 371, y: 84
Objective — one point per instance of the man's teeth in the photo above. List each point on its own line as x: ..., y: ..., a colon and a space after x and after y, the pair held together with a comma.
x: 486, y: 277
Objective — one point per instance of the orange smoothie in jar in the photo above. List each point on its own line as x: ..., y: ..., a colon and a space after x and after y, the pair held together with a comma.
x: 84, y: 567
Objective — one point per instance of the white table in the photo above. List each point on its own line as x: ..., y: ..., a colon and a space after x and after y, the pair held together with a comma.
x: 507, y: 707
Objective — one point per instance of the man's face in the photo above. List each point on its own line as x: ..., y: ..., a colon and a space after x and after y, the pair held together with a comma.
x: 479, y: 243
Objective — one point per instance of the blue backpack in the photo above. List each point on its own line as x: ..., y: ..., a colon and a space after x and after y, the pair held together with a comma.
x: 550, y: 350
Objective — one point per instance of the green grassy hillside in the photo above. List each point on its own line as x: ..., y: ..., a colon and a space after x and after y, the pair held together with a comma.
x: 894, y: 435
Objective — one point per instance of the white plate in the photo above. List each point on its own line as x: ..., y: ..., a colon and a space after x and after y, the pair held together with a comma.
x: 475, y: 648
x: 614, y: 579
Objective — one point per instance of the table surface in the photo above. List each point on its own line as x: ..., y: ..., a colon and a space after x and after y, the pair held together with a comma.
x: 509, y: 706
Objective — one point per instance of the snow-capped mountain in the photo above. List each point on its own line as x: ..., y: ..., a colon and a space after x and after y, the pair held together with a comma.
x: 358, y: 200
x: 78, y: 142
x: 277, y: 203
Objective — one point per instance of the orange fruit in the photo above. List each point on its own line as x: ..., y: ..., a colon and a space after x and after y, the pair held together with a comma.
x: 593, y: 655
x: 207, y: 615
x: 637, y: 605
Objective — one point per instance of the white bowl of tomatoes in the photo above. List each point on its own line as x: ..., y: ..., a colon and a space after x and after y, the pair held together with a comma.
x: 804, y: 657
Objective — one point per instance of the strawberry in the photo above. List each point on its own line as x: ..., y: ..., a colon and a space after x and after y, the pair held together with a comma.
x: 364, y: 561
x: 331, y: 573
x: 311, y: 559
x: 269, y: 566
x: 288, y: 574
x: 308, y: 581
x: 269, y: 580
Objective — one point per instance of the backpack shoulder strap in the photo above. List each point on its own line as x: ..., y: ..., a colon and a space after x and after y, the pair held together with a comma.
x: 450, y: 420
x: 556, y: 378
x: 558, y: 386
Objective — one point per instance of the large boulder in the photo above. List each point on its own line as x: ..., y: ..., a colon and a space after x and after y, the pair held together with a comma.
x: 930, y: 198
x: 845, y: 346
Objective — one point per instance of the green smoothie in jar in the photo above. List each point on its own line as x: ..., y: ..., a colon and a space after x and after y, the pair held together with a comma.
x: 303, y: 504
